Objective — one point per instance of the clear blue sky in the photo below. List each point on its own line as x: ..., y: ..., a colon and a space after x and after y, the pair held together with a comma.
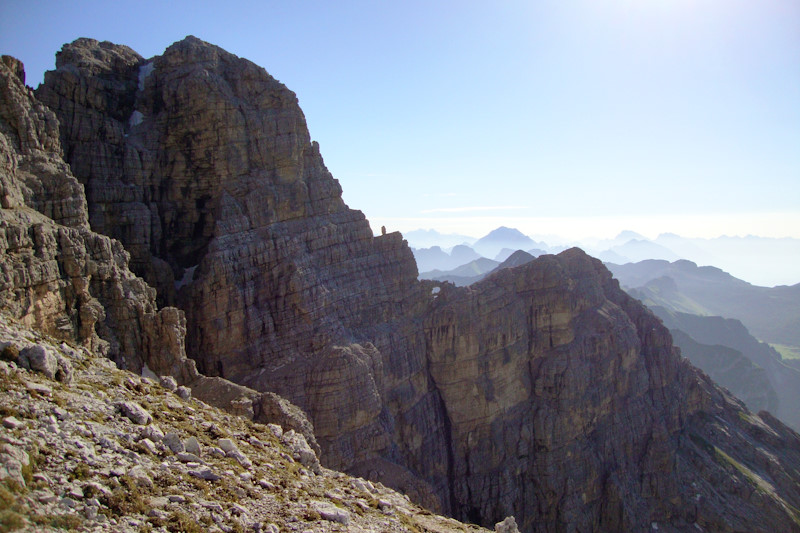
x: 557, y: 117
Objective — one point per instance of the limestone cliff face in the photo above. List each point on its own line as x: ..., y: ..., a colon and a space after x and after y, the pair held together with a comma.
x: 543, y: 391
x: 55, y: 274
x: 569, y: 408
x: 204, y: 168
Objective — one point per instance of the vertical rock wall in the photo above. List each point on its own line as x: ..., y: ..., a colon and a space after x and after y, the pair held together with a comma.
x: 56, y: 275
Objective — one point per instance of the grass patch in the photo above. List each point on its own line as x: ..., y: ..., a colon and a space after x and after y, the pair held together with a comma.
x: 787, y: 352
x: 80, y: 472
x: 127, y: 499
x: 10, y: 520
x: 178, y: 522
x: 754, y: 478
x: 69, y: 522
x: 10, y: 517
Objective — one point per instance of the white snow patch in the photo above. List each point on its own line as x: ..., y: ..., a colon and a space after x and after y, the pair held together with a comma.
x: 188, y: 277
x: 136, y: 119
x: 144, y: 71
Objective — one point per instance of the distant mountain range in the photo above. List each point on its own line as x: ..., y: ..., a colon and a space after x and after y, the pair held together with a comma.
x: 772, y: 314
x: 759, y: 260
x: 692, y: 300
x: 750, y: 369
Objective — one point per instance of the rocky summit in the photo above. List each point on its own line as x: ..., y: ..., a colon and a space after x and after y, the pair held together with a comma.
x: 173, y: 215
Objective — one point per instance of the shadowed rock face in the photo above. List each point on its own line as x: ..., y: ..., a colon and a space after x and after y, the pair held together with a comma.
x: 56, y: 275
x: 210, y: 178
x: 542, y: 391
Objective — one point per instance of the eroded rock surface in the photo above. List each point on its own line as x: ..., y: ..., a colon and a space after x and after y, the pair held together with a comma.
x: 83, y: 457
x: 542, y: 392
x: 56, y: 275
x: 207, y: 173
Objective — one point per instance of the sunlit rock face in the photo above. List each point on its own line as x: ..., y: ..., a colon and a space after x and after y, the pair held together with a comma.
x: 543, y: 391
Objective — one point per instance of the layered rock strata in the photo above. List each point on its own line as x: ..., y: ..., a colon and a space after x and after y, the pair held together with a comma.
x: 56, y: 275
x: 543, y: 391
x: 203, y: 166
x: 64, y: 280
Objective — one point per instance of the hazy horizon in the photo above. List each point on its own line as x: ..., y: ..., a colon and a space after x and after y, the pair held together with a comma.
x: 762, y: 261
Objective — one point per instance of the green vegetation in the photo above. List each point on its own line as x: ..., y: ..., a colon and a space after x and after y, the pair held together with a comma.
x: 178, y: 521
x: 10, y: 520
x: 787, y: 352
x: 127, y: 499
x: 68, y: 522
x: 10, y: 517
x: 754, y: 478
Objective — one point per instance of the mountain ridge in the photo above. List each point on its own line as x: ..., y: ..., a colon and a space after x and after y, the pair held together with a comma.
x: 545, y: 392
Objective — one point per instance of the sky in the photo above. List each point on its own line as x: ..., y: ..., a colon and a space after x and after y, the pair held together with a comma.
x: 579, y: 118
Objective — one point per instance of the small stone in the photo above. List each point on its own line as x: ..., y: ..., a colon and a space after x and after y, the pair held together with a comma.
x: 186, y: 457
x: 241, y: 458
x: 105, y: 442
x: 149, y: 446
x: 90, y: 512
x: 39, y: 359
x: 385, y: 505
x: 173, y: 442
x: 256, y: 443
x: 158, y: 513
x: 41, y: 478
x: 264, y: 484
x: 238, y: 510
x: 227, y: 445
x: 276, y: 430
x: 140, y: 475
x: 68, y: 502
x: 213, y: 450
x: 184, y: 393
x: 11, y: 422
x: 152, y: 432
x: 45, y: 496
x: 332, y: 513
x: 301, y: 451
x: 95, y: 488
x: 76, y: 493
x: 12, y: 461
x: 135, y: 412
x: 177, y: 498
x: 509, y: 525
x: 192, y: 445
x: 39, y: 388
x: 212, y: 506
x: 169, y: 383
x: 205, y: 473
x: 358, y: 484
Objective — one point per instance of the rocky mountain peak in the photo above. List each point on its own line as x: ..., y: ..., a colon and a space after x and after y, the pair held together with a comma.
x: 542, y: 392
